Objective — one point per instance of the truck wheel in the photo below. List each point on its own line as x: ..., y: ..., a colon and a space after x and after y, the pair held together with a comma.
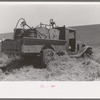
x: 48, y: 56
x: 88, y: 53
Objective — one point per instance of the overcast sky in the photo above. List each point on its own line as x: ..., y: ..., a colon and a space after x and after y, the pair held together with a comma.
x: 63, y: 14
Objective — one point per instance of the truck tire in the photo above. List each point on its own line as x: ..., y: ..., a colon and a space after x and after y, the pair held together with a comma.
x: 88, y: 53
x: 47, y: 56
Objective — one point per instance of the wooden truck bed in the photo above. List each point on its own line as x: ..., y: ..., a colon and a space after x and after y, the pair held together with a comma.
x: 29, y: 45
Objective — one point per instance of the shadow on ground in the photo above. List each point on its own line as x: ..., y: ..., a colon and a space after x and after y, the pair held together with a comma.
x: 16, y: 64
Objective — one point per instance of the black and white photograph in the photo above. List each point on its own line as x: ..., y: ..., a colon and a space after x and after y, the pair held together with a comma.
x: 49, y: 42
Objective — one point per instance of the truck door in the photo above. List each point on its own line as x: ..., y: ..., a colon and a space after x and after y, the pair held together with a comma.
x: 72, y: 41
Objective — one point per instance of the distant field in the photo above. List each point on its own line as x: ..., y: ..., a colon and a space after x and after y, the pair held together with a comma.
x: 6, y: 35
x: 89, y: 34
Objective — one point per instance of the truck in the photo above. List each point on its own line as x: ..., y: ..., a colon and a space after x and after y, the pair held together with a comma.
x: 44, y: 40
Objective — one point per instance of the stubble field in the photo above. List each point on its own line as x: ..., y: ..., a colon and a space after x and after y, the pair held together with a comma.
x: 63, y: 68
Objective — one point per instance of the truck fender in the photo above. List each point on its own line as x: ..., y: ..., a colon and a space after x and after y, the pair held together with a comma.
x: 46, y: 47
x: 85, y: 50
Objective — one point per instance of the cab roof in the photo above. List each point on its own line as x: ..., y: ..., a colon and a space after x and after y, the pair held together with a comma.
x: 68, y: 28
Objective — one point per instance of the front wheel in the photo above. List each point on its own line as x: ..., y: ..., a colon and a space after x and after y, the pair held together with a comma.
x: 88, y: 53
x: 48, y: 56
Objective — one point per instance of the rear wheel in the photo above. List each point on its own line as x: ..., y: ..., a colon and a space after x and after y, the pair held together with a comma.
x: 48, y: 56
